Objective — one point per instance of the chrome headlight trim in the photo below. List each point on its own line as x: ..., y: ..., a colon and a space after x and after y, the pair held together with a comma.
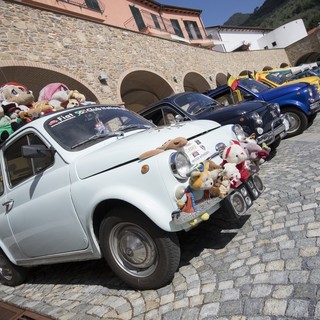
x: 180, y: 165
x: 238, y: 131
x: 277, y: 107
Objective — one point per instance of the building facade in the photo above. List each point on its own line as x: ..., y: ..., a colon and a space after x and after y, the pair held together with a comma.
x: 109, y: 64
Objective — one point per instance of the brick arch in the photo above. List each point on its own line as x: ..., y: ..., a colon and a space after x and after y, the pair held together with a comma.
x: 221, y: 79
x: 35, y: 76
x: 308, y: 57
x: 140, y: 88
x: 195, y: 82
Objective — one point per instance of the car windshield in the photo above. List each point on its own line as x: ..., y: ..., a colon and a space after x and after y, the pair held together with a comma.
x: 79, y: 128
x: 195, y: 103
x: 253, y: 85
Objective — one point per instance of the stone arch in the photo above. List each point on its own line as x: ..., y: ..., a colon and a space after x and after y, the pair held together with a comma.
x: 195, y: 82
x: 140, y: 88
x: 308, y: 57
x: 221, y: 79
x: 247, y: 73
x: 35, y: 76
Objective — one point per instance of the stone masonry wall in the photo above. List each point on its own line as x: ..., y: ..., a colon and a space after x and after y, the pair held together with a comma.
x: 83, y: 48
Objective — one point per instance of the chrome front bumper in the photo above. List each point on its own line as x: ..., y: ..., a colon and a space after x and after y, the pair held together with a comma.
x: 315, y: 107
x: 280, y: 130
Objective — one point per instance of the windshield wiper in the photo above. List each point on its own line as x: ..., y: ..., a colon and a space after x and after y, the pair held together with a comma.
x: 134, y: 126
x: 98, y: 136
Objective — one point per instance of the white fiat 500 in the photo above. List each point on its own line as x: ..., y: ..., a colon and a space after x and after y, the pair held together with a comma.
x: 74, y: 187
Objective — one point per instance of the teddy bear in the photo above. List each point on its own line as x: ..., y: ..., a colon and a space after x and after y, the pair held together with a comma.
x: 235, y: 154
x: 173, y: 144
x: 253, y: 150
x: 200, y: 182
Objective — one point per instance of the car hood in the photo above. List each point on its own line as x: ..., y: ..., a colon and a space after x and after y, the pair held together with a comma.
x: 116, y: 152
x: 223, y: 114
x: 282, y: 90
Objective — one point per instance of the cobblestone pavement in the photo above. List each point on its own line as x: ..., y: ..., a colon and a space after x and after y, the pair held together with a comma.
x: 268, y: 269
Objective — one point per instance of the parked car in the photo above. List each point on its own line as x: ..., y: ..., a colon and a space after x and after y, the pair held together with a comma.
x: 299, y: 101
x: 274, y: 79
x: 74, y: 186
x: 258, y: 117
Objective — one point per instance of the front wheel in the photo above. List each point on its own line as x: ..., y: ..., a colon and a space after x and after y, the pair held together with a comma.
x: 298, y: 121
x: 10, y: 274
x: 141, y: 254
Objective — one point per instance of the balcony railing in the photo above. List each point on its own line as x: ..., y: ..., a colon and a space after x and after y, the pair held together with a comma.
x: 94, y: 5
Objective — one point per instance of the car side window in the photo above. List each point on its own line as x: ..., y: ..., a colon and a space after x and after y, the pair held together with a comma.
x: 227, y: 98
x: 20, y: 168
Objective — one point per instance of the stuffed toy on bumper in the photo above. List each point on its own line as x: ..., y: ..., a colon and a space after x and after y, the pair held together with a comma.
x: 236, y: 155
x: 200, y: 182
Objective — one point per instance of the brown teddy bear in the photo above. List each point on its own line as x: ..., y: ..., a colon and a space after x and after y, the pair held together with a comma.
x: 174, y: 144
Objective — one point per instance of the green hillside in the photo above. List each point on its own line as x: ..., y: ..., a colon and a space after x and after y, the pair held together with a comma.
x: 274, y: 13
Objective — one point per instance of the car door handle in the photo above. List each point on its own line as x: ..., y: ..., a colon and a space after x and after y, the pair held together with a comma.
x: 8, y: 204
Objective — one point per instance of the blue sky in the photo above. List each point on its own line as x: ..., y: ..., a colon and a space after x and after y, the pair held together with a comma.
x: 216, y: 12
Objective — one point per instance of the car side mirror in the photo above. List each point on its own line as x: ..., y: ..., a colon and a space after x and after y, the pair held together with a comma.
x: 247, y: 97
x: 36, y: 151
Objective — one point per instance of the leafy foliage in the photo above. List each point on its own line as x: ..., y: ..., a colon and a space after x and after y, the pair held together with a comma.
x: 274, y: 13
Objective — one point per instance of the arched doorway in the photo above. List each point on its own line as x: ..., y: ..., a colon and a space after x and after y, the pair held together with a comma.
x: 195, y: 82
x: 35, y: 78
x: 308, y: 58
x: 141, y: 88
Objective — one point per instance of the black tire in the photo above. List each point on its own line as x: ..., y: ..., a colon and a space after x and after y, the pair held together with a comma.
x: 10, y: 274
x: 141, y: 254
x: 298, y: 121
x: 311, y: 119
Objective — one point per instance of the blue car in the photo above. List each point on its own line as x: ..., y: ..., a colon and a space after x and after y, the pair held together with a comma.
x: 299, y: 101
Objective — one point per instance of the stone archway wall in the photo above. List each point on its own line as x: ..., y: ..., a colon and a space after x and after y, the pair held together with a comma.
x: 302, y: 49
x: 36, y: 75
x: 84, y: 49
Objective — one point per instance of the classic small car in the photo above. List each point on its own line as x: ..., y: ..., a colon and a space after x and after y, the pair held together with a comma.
x: 256, y: 117
x: 74, y: 186
x: 299, y: 102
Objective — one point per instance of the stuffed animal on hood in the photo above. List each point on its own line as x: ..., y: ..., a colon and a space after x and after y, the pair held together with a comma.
x: 235, y: 154
x: 174, y: 144
x: 200, y: 182
x: 56, y: 94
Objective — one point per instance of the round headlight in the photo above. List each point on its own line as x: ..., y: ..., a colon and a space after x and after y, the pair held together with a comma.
x: 310, y: 92
x: 180, y: 165
x: 238, y: 131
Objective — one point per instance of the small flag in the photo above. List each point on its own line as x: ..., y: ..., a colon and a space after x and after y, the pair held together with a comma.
x: 232, y: 82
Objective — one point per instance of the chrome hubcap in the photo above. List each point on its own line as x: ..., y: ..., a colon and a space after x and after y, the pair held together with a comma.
x: 5, y: 271
x: 294, y: 122
x: 133, y: 249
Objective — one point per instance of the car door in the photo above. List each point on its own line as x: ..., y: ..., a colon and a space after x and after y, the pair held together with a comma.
x: 38, y: 204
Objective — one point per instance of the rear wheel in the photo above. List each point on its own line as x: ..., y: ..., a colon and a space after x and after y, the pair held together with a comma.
x: 10, y: 274
x: 141, y: 254
x: 298, y: 121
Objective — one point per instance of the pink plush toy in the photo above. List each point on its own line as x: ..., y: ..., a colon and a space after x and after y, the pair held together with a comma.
x: 57, y: 95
